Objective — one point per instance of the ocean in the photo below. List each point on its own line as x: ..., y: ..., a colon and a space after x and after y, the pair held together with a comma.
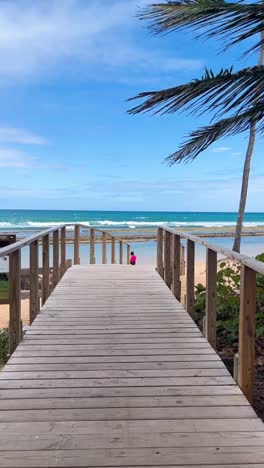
x: 34, y: 220
x: 25, y: 222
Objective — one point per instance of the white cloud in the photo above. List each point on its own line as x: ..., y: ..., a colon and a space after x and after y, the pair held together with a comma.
x: 236, y: 153
x: 13, y: 158
x: 221, y: 149
x: 16, y: 135
x: 39, y: 37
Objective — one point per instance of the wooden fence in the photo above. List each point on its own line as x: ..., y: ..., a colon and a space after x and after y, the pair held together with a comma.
x: 59, y: 264
x: 168, y: 266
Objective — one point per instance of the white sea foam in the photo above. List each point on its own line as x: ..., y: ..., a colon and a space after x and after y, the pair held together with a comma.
x: 5, y: 225
x: 130, y: 223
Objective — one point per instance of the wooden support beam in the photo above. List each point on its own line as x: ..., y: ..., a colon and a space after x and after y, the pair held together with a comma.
x: 63, y: 251
x: 121, y: 252
x: 160, y: 268
x: 77, y: 244
x: 56, y: 268
x: 92, y: 247
x: 176, y: 271
x: 182, y: 260
x: 167, y: 259
x: 46, y: 270
x: 128, y: 254
x: 14, y: 300
x: 190, y: 277
x: 113, y: 258
x: 33, y: 281
x: 247, y: 331
x: 104, y: 252
x: 210, y: 311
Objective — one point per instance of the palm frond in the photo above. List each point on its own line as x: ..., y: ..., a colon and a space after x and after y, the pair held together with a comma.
x: 222, y: 92
x: 237, y: 21
x: 201, y: 139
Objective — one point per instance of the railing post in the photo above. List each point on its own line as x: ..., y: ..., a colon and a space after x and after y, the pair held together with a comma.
x: 56, y: 272
x: 160, y: 268
x: 14, y: 300
x: 34, y: 282
x: 128, y: 254
x: 190, y: 277
x: 63, y: 251
x: 77, y: 244
x: 92, y: 239
x: 113, y: 259
x: 45, y: 269
x: 176, y: 282
x: 247, y: 331
x: 104, y: 255
x: 121, y: 253
x: 182, y: 260
x: 210, y: 311
x: 167, y: 259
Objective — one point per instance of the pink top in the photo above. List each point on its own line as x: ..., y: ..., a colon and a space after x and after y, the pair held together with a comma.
x: 133, y: 259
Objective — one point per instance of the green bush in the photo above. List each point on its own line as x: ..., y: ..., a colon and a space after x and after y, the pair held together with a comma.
x: 227, y: 302
x: 3, y: 346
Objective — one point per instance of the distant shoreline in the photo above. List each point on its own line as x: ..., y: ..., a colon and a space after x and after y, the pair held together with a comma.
x: 150, y: 234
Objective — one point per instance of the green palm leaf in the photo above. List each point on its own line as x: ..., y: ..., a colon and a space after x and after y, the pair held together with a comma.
x: 199, y: 140
x: 236, y: 21
x: 222, y: 92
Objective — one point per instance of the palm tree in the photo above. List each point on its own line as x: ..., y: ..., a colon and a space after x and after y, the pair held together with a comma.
x: 235, y: 98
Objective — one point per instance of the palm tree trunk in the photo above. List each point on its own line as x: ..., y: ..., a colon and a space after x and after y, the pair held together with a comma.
x: 246, y: 171
x: 244, y: 188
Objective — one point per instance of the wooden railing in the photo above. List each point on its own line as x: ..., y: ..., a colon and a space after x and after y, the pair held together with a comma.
x: 58, y: 265
x: 168, y: 266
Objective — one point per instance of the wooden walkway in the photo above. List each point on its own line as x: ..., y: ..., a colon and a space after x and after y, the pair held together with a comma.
x: 114, y: 373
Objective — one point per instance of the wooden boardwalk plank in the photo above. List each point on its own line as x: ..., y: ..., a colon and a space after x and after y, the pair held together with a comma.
x: 114, y: 373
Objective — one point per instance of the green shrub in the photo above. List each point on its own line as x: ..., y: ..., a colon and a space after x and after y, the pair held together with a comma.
x: 3, y: 346
x: 227, y: 302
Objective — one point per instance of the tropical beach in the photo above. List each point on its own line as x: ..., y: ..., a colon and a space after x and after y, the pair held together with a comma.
x: 131, y: 234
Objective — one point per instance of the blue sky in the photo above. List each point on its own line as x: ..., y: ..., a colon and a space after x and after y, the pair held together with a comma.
x: 66, y: 141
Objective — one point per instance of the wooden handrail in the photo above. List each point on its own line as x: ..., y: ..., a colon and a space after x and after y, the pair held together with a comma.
x: 168, y: 266
x: 5, y: 251
x: 231, y: 254
x: 60, y: 263
x: 26, y: 242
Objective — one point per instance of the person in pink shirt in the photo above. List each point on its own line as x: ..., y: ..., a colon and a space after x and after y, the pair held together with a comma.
x: 133, y: 259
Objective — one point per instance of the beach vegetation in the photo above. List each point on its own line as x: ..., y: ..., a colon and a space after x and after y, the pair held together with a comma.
x: 233, y: 99
x: 227, y: 302
x: 3, y: 346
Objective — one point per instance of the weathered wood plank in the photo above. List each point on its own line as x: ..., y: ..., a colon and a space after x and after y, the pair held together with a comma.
x: 210, y: 313
x: 247, y: 331
x: 116, y: 414
x: 114, y: 372
x: 92, y: 246
x: 160, y: 267
x: 77, y: 244
x: 167, y: 259
x: 46, y: 270
x: 34, y: 282
x: 113, y: 253
x: 14, y: 300
x: 176, y: 283
x: 190, y: 277
x: 121, y: 248
x: 56, y: 266
x: 63, y: 251
x: 104, y: 251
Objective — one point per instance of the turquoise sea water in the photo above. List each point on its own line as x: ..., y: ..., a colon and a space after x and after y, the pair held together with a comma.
x: 24, y: 222
x: 30, y: 220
